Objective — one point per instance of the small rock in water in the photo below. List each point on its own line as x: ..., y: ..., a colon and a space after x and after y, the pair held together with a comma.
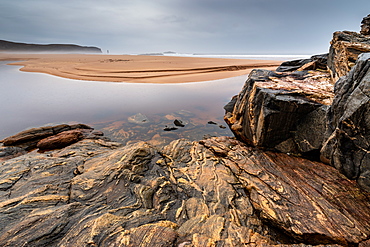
x: 169, y: 128
x: 221, y: 126
x: 211, y: 122
x: 138, y: 119
x: 179, y: 123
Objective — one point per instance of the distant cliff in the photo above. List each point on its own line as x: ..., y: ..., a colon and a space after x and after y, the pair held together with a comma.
x: 8, y: 46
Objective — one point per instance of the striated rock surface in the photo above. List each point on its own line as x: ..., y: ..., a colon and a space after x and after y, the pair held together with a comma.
x: 29, y: 138
x: 313, y: 63
x: 348, y: 147
x: 344, y: 50
x: 215, y: 192
x: 282, y: 110
x: 365, y: 25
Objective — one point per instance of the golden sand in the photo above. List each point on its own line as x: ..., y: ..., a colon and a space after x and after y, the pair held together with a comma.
x: 136, y: 68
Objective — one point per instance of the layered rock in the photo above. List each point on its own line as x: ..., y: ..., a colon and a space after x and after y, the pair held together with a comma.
x: 313, y: 63
x: 282, y: 110
x: 345, y: 47
x: 45, y: 138
x: 365, y: 25
x: 348, y: 147
x: 215, y: 192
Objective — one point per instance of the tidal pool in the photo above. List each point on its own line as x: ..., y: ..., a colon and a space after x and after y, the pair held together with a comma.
x: 34, y: 99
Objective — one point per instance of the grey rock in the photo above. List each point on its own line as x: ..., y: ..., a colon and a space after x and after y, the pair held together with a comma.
x: 280, y: 111
x: 347, y: 147
x: 365, y: 25
x: 313, y: 63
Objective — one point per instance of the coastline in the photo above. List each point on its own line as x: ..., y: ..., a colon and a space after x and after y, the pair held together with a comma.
x: 136, y: 68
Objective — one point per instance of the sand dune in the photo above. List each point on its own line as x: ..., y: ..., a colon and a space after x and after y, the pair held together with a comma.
x: 136, y: 68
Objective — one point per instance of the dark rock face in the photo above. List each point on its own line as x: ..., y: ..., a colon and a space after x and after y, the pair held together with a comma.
x: 347, y: 148
x: 344, y: 49
x: 272, y: 107
x: 8, y: 46
x: 216, y: 192
x: 365, y: 25
x: 313, y: 63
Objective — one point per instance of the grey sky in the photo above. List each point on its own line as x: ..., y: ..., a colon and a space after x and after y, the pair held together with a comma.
x: 184, y: 26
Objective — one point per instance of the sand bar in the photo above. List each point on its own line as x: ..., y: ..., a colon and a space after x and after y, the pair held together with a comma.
x: 136, y: 68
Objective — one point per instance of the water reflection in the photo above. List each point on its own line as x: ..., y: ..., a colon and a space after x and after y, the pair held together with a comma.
x: 35, y: 99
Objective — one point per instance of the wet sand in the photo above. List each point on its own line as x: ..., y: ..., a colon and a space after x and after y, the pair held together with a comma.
x: 136, y: 68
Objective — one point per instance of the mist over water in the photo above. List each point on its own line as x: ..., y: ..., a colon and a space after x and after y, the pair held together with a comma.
x: 30, y: 99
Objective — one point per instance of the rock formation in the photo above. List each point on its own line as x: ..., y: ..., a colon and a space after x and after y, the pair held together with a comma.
x: 313, y: 63
x: 365, y: 25
x: 215, y: 192
x: 8, y: 46
x: 220, y: 191
x: 345, y: 47
x: 348, y: 148
x: 282, y: 110
x: 45, y: 138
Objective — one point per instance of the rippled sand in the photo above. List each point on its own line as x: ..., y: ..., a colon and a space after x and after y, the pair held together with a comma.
x: 136, y: 68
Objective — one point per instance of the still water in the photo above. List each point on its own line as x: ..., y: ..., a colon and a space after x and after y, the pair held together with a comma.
x: 35, y: 99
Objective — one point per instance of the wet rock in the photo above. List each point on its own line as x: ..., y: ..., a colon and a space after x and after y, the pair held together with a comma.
x: 272, y: 106
x: 169, y: 128
x: 345, y: 47
x: 347, y: 147
x: 179, y: 123
x: 365, y: 25
x: 28, y: 139
x: 216, y: 191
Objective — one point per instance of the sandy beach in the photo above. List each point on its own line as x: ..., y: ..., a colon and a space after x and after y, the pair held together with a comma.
x: 135, y: 68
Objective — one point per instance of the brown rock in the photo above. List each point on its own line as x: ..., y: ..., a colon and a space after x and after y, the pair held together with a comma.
x: 217, y: 192
x: 60, y: 140
x: 29, y: 138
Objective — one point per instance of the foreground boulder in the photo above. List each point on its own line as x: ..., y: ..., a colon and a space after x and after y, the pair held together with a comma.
x: 282, y: 110
x: 28, y: 139
x: 215, y: 192
x: 46, y: 138
x: 348, y: 148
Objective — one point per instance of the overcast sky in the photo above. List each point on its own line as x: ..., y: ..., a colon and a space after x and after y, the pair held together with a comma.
x: 184, y: 26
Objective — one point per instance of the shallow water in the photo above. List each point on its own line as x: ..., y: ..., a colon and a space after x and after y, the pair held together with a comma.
x: 35, y: 99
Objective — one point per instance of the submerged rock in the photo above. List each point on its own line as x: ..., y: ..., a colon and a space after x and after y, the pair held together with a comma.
x: 216, y: 192
x: 138, y: 119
